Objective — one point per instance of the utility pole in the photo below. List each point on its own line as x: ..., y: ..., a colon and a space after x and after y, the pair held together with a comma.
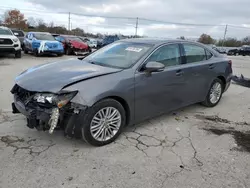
x: 136, y: 27
x: 224, y: 38
x: 69, y: 22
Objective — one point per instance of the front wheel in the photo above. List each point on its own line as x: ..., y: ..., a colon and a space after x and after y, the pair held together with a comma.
x: 214, y: 94
x: 103, y: 122
x: 18, y: 54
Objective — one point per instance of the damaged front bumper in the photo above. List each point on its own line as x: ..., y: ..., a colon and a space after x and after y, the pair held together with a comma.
x: 48, y: 117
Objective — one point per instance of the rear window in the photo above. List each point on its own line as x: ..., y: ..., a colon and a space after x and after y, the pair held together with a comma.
x: 44, y: 36
x: 19, y: 33
x: 74, y: 39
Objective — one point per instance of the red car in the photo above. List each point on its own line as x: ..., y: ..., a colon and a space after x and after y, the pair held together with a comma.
x: 73, y: 44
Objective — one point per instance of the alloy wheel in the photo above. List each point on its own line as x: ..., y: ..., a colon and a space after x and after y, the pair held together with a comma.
x: 215, y: 93
x: 105, y: 124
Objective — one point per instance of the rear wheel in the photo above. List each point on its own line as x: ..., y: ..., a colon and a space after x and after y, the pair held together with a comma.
x: 103, y: 122
x: 214, y: 94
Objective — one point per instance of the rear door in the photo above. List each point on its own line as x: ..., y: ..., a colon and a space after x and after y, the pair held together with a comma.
x: 159, y: 92
x: 199, y: 65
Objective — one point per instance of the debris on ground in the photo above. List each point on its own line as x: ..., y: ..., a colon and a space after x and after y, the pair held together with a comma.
x: 241, y: 81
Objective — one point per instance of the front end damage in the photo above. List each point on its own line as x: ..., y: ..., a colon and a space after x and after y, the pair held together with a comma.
x: 47, y: 111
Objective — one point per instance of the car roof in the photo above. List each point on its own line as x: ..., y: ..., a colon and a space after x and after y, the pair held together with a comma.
x: 69, y: 36
x: 40, y: 32
x: 2, y: 27
x: 155, y: 41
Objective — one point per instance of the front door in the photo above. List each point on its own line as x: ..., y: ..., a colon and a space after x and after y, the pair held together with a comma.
x: 160, y: 92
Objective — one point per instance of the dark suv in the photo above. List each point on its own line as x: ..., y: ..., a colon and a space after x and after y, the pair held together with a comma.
x: 19, y: 34
x: 244, y: 50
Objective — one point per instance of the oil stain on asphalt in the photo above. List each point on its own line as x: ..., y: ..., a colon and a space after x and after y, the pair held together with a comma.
x: 242, y: 139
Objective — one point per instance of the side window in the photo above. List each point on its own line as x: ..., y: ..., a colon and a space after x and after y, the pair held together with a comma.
x: 168, y: 55
x: 194, y: 53
x: 209, y: 54
x: 30, y: 36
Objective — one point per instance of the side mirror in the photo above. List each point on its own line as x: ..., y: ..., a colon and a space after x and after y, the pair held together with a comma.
x: 154, y: 66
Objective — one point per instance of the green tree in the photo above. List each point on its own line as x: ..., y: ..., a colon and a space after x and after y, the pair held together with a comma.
x: 229, y: 42
x: 206, y: 39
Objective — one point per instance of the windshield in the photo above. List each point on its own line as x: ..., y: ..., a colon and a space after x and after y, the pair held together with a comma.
x: 18, y: 33
x: 44, y: 36
x: 5, y: 32
x: 119, y: 55
x: 74, y: 39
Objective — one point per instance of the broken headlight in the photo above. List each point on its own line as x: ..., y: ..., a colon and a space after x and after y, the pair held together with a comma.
x: 59, y: 100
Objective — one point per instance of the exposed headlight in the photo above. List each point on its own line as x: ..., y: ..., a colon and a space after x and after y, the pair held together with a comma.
x: 59, y: 100
x: 15, y: 39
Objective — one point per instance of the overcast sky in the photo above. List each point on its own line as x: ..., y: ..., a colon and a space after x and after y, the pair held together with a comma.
x: 212, y: 12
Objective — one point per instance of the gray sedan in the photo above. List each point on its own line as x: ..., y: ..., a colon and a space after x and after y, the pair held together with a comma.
x: 128, y: 81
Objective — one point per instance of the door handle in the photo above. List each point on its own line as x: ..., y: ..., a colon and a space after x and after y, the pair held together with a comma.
x: 211, y: 66
x: 179, y: 73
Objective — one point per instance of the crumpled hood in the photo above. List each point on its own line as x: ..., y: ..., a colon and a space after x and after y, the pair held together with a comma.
x: 78, y: 45
x: 52, y: 77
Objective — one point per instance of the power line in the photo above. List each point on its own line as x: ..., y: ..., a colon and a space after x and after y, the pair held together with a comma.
x: 179, y: 23
x: 239, y: 27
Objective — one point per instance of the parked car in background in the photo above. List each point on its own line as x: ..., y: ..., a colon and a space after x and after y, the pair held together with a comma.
x: 234, y: 51
x: 19, y: 34
x: 219, y: 50
x: 244, y: 50
x: 92, y: 43
x: 109, y: 39
x: 73, y: 45
x: 118, y: 85
x: 99, y: 43
x: 84, y: 39
x: 41, y: 43
x: 9, y: 43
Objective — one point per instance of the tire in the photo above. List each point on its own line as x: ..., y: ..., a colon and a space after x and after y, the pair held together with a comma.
x: 37, y: 54
x: 59, y: 55
x: 92, y: 112
x: 18, y: 54
x: 68, y: 51
x: 208, y: 101
x: 25, y: 50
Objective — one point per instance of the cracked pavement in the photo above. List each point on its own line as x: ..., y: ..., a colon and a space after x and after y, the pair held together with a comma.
x: 192, y: 147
